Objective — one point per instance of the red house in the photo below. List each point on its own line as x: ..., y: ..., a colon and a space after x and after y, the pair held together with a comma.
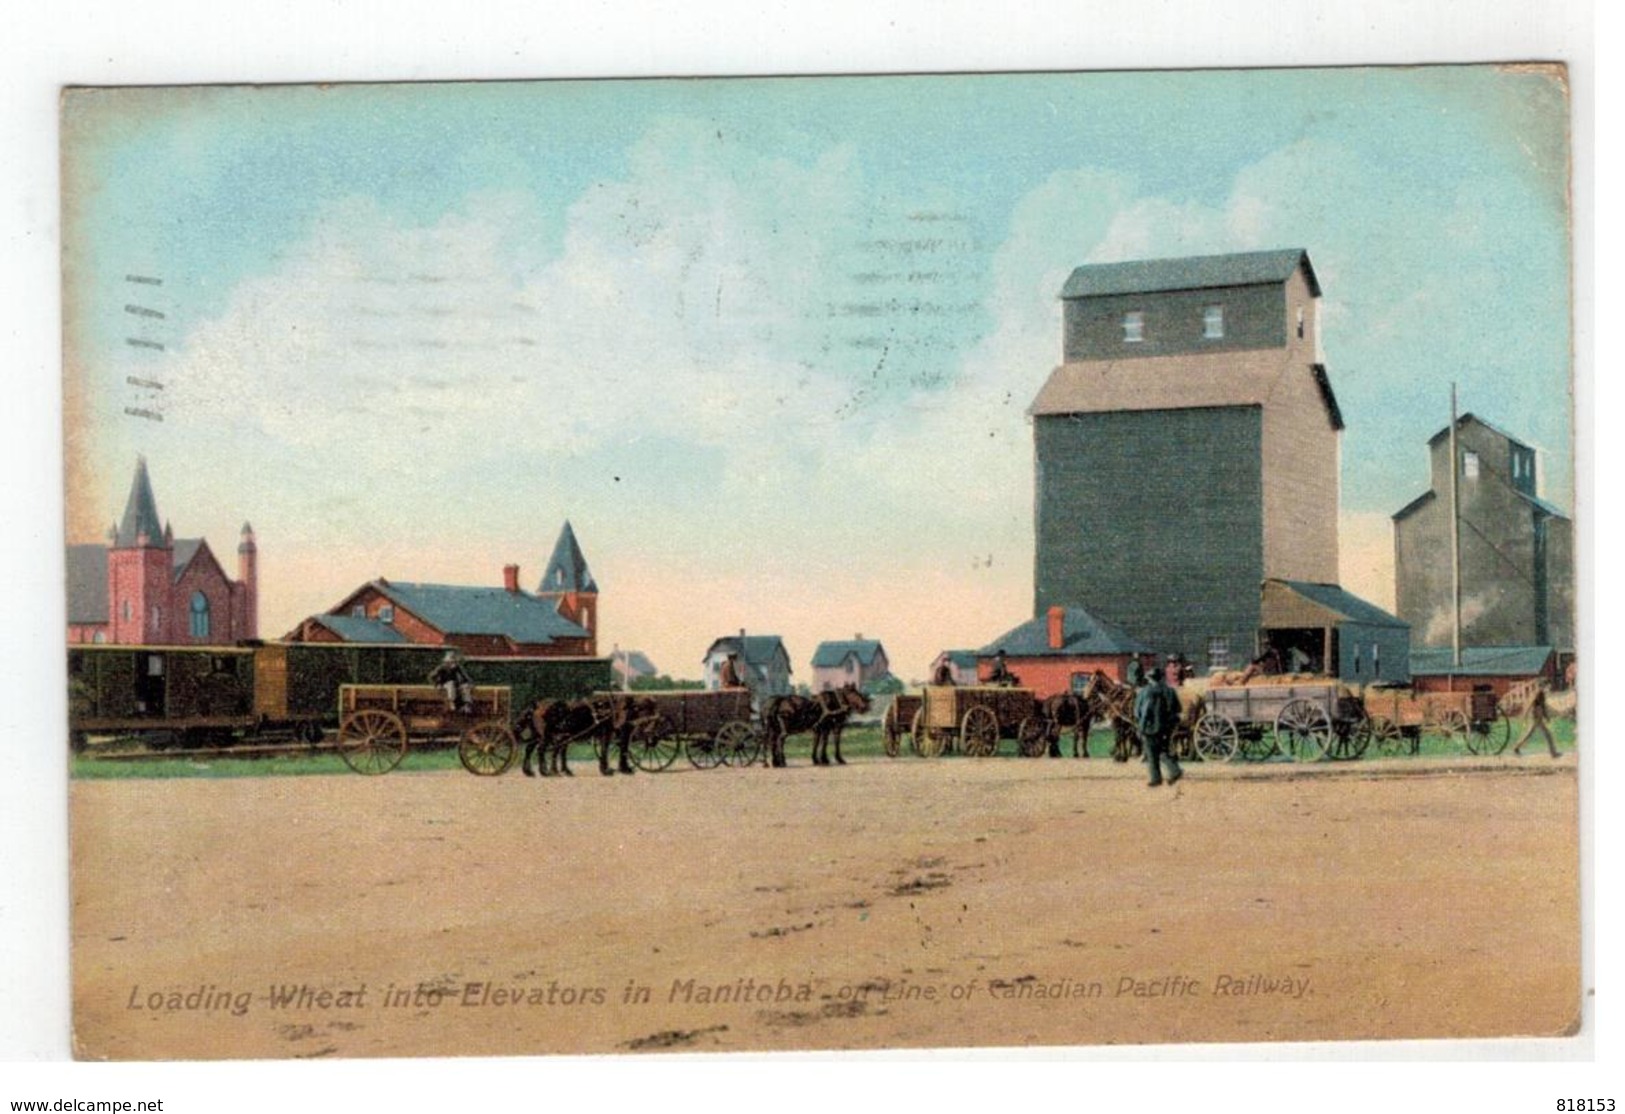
x: 148, y: 587
x: 1058, y: 651
x: 559, y: 620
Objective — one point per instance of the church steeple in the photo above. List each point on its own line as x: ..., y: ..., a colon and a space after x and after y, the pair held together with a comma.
x: 140, y: 525
x: 567, y: 569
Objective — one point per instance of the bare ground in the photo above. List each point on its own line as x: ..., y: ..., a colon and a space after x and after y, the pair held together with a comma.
x: 902, y: 904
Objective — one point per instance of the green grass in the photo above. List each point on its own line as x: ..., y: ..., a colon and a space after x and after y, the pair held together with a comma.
x: 859, y: 742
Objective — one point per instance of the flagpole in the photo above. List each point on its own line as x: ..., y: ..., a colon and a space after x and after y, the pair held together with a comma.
x: 1455, y: 538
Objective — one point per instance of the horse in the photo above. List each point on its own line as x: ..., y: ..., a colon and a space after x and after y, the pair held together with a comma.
x: 824, y: 715
x: 1067, y: 710
x: 1114, y: 702
x: 550, y: 726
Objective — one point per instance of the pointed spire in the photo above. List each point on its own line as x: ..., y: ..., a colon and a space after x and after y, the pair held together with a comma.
x: 246, y: 545
x: 567, y: 569
x: 140, y: 512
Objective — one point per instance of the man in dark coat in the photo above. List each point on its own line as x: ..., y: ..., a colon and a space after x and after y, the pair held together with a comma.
x: 1156, y: 713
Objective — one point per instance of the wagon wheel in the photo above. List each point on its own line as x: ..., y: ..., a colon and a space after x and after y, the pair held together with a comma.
x: 1453, y: 725
x: 1386, y: 736
x: 652, y: 745
x: 1350, y: 738
x: 927, y: 743
x: 1303, y: 730
x: 738, y: 744
x: 1489, y: 736
x: 703, y: 752
x: 979, y: 732
x: 1032, y: 737
x: 1217, y: 739
x: 893, y: 736
x: 1257, y: 744
x: 487, y: 749
x: 372, y: 741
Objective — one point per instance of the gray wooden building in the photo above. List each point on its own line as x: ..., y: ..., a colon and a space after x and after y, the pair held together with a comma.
x: 1517, y: 550
x: 1187, y: 449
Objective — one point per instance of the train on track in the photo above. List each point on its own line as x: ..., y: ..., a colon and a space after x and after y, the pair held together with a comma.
x: 191, y: 697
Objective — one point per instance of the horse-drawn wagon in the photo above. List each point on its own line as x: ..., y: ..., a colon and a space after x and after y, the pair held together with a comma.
x: 972, y: 717
x: 1302, y: 719
x: 377, y: 722
x: 715, y: 728
x: 1400, y: 716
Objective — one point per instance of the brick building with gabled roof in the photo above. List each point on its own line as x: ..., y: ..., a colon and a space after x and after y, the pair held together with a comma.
x: 501, y: 621
x: 1059, y: 651
x: 146, y: 586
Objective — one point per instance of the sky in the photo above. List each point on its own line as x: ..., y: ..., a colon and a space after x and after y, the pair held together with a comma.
x: 767, y: 344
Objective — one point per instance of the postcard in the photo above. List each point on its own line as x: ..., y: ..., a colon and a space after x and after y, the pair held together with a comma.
x: 775, y: 564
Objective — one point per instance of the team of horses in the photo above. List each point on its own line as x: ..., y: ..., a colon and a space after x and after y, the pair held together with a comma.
x: 611, y: 721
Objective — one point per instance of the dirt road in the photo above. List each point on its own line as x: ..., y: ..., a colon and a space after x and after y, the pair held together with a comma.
x: 888, y: 904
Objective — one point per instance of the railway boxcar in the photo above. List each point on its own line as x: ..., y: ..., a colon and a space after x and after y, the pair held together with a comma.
x: 194, y: 694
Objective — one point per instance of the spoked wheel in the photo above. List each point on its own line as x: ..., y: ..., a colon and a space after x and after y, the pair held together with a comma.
x: 979, y: 732
x: 1386, y: 737
x: 893, y: 732
x: 1033, y: 736
x: 738, y: 744
x: 1489, y: 736
x: 703, y: 752
x: 1454, y: 727
x: 652, y: 745
x: 1217, y: 739
x: 1303, y: 730
x: 487, y: 749
x: 372, y: 741
x: 1257, y: 745
x: 1350, y: 738
x: 927, y: 742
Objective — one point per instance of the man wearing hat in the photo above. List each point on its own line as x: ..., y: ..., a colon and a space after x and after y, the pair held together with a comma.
x: 1156, y: 713
x: 454, y: 681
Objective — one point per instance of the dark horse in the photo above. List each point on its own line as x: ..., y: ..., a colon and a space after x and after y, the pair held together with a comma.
x: 824, y: 715
x: 550, y: 726
x: 1067, y: 711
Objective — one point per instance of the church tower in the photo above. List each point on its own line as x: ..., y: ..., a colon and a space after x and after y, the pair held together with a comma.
x: 138, y: 569
x: 569, y: 584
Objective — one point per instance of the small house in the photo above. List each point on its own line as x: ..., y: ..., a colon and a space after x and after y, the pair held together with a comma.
x: 766, y: 662
x: 854, y: 661
x: 1060, y: 650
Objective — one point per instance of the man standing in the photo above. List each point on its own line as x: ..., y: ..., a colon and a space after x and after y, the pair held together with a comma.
x: 1156, y: 712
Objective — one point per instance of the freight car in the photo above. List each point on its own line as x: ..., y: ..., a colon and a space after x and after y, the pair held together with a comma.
x: 218, y: 695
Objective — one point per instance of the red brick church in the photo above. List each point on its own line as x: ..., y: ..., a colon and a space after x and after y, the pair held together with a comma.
x: 146, y: 586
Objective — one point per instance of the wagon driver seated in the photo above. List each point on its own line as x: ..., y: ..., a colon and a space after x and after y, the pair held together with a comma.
x: 732, y: 676
x: 454, y: 681
x: 1001, y: 674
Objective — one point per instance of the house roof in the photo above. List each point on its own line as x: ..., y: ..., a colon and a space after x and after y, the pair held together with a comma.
x: 1191, y: 272
x: 140, y: 511
x: 636, y: 663
x: 830, y: 654
x: 353, y: 629
x: 1345, y: 604
x: 759, y: 649
x: 1181, y: 382
x: 1471, y: 417
x: 1481, y: 661
x: 87, y: 584
x: 567, y: 569
x: 960, y: 659
x: 1081, y: 633
x: 454, y: 609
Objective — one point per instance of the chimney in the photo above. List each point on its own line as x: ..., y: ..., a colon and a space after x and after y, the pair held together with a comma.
x: 510, y: 577
x: 858, y: 637
x: 1057, y: 621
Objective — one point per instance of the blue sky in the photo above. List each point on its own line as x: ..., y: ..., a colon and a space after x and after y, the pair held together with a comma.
x: 768, y: 344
